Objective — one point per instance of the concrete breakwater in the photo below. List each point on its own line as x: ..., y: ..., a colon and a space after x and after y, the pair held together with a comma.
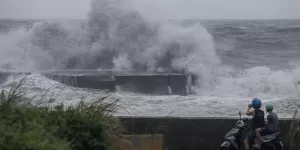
x: 141, y: 82
x: 190, y: 133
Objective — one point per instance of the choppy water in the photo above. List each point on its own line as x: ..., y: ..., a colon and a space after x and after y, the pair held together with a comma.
x: 236, y: 60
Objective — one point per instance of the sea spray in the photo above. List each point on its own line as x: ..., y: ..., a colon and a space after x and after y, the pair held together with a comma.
x: 114, y: 37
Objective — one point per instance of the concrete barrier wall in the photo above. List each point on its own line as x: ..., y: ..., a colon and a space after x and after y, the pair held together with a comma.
x: 93, y: 82
x: 142, y: 82
x: 188, y: 133
x: 147, y: 83
x: 155, y: 84
x: 178, y: 83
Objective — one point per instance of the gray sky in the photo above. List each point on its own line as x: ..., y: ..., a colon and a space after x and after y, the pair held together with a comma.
x: 199, y: 9
x: 43, y: 9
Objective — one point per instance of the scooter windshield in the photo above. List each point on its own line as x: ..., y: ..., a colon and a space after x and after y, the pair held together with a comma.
x: 240, y: 124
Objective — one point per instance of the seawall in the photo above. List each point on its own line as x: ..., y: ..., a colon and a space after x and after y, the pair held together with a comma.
x: 189, y: 133
x: 140, y: 82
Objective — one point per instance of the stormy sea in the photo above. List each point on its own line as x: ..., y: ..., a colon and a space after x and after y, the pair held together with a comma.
x: 236, y: 60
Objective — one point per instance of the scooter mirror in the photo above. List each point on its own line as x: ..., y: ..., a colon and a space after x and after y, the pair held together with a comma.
x: 240, y: 114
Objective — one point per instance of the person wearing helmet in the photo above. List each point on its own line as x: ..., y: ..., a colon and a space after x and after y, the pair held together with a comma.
x: 270, y: 127
x: 258, y: 120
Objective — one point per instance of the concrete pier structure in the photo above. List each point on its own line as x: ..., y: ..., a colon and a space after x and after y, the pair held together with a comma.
x: 140, y: 82
x: 152, y: 83
x: 83, y: 79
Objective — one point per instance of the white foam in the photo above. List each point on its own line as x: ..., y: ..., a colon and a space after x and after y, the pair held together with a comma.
x: 132, y: 104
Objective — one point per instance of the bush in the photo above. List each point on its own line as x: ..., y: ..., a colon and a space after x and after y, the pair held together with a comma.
x: 27, y: 127
x: 83, y: 127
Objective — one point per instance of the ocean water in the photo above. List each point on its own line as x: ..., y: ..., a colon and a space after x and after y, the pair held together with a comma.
x: 236, y: 60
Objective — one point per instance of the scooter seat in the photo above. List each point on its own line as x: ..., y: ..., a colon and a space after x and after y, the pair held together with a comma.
x: 270, y: 137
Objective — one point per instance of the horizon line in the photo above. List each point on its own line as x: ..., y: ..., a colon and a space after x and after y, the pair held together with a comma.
x: 167, y: 19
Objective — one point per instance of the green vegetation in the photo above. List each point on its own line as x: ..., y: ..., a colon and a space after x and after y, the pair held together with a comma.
x: 24, y: 126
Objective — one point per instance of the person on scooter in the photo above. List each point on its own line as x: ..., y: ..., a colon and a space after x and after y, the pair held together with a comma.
x: 270, y: 127
x: 258, y: 120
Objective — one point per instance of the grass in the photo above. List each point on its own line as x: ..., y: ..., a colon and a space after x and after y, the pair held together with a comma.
x: 25, y: 126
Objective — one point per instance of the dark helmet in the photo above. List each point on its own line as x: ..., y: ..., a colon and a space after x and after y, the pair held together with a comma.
x: 256, y: 103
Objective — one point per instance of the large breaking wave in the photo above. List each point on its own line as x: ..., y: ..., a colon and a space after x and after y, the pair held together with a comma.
x: 115, y: 36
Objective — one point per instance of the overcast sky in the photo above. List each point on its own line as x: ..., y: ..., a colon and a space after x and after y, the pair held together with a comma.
x: 199, y: 9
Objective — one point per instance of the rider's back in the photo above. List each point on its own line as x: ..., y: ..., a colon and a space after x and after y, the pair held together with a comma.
x: 258, y: 119
x: 272, y: 122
